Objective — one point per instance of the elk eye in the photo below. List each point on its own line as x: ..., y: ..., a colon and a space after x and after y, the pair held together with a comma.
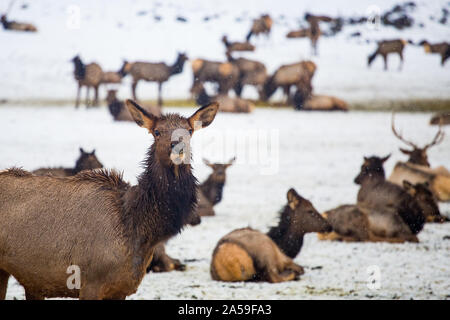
x: 190, y: 131
x: 156, y: 133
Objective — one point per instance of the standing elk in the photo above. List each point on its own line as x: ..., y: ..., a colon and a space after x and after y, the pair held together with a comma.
x: 250, y: 73
x: 378, y: 194
x: 261, y: 25
x: 120, y: 112
x: 418, y: 170
x: 237, y: 46
x: 247, y: 254
x: 387, y: 47
x: 224, y: 74
x: 17, y: 26
x: 87, y: 76
x: 114, y: 77
x: 49, y: 224
x: 298, y: 74
x: 227, y: 104
x: 154, y: 72
x: 86, y: 161
x: 442, y: 48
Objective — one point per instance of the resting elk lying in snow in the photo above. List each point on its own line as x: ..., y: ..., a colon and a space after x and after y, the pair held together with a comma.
x: 247, y: 254
x: 417, y: 168
x: 17, y: 26
x: 442, y: 118
x: 86, y: 161
x: 96, y: 216
x: 211, y: 190
x: 387, y: 47
x: 261, y: 25
x: 319, y: 103
x: 224, y: 74
x: 227, y: 104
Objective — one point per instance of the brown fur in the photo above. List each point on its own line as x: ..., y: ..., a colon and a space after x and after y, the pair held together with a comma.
x: 87, y: 76
x: 225, y: 74
x: 155, y: 72
x: 442, y: 48
x: 237, y: 46
x: 119, y: 112
x: 86, y: 161
x: 262, y: 25
x: 440, y: 119
x: 247, y: 254
x: 17, y: 26
x: 325, y: 103
x: 49, y: 223
x: 300, y: 33
x: 387, y: 47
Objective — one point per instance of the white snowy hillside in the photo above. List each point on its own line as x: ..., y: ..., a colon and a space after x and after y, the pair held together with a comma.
x: 36, y: 66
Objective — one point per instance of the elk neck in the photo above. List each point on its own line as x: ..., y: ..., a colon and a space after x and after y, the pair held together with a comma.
x: 177, y: 67
x: 212, y: 189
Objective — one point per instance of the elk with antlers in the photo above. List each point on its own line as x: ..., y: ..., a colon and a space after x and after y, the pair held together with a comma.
x: 418, y: 170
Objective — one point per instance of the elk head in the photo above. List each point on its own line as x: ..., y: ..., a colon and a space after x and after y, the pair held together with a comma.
x: 87, y: 161
x: 418, y: 155
x: 301, y: 215
x: 371, y: 167
x: 219, y: 169
x: 172, y: 132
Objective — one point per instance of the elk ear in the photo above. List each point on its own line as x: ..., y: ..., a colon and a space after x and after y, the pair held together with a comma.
x: 405, y: 151
x: 204, y: 116
x: 209, y: 164
x: 140, y: 116
x: 293, y: 198
x: 93, y: 152
x: 82, y: 150
x: 230, y: 162
x: 385, y: 158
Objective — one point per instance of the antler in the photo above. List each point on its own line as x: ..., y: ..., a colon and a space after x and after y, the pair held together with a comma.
x: 399, y: 136
x: 439, y: 137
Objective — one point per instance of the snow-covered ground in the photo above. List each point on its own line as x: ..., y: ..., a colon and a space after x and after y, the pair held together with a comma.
x: 36, y: 66
x: 319, y: 154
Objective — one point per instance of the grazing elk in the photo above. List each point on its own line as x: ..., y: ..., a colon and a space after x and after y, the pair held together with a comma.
x: 260, y: 25
x: 227, y: 104
x: 154, y: 72
x: 318, y: 103
x: 250, y: 73
x: 237, y: 46
x: 17, y: 26
x: 442, y: 118
x: 48, y: 224
x: 225, y: 74
x: 379, y: 194
x: 387, y: 47
x: 86, y: 161
x: 417, y: 168
x: 247, y: 254
x: 87, y: 76
x: 298, y: 74
x: 119, y: 111
x: 442, y: 48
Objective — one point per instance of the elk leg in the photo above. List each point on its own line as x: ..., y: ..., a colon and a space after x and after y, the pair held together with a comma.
x: 96, y: 96
x: 159, y: 94
x: 77, y: 102
x: 385, y: 61
x: 297, y: 269
x: 4, y: 276
x: 133, y: 89
x: 87, y: 97
x: 401, y: 60
x: 273, y: 276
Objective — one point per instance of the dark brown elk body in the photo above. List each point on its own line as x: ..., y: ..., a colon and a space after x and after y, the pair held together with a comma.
x: 247, y: 254
x: 87, y: 76
x: 417, y: 168
x: 387, y: 47
x: 17, y: 26
x: 237, y: 46
x: 86, y: 161
x: 442, y: 48
x: 224, y: 74
x: 378, y: 194
x: 48, y: 224
x: 154, y: 72
x: 262, y: 25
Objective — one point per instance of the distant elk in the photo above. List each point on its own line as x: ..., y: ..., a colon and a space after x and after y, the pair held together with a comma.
x: 227, y: 103
x: 224, y: 74
x: 211, y: 190
x: 262, y: 25
x: 442, y: 118
x: 418, y: 170
x: 88, y: 76
x: 86, y: 161
x: 250, y: 73
x: 442, y: 48
x: 300, y: 33
x: 17, y: 26
x: 50, y: 224
x: 154, y: 72
x: 114, y: 77
x: 318, y: 103
x: 120, y: 112
x: 298, y: 75
x: 237, y: 46
x: 249, y: 255
x: 387, y: 47
x: 379, y: 194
